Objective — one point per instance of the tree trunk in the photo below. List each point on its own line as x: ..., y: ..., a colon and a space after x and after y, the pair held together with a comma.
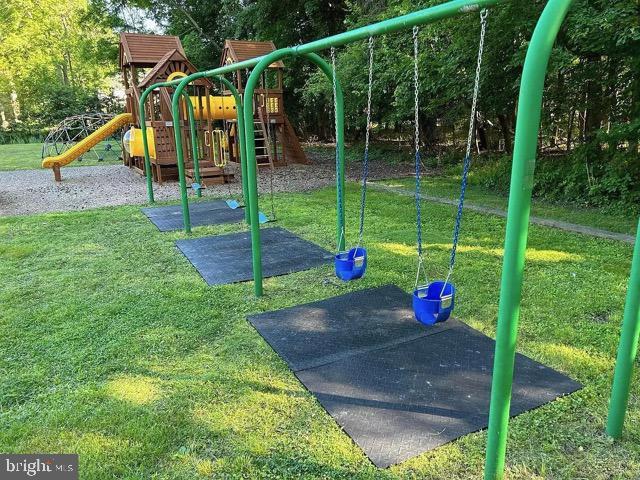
x: 505, y: 128
x: 635, y: 105
x: 572, y: 116
x: 427, y: 130
x: 481, y: 137
x: 68, y: 62
x: 593, y: 113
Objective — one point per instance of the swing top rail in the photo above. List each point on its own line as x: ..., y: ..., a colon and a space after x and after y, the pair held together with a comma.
x: 403, y: 22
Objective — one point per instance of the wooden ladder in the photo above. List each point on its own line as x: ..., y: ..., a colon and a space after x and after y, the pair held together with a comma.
x: 264, y: 155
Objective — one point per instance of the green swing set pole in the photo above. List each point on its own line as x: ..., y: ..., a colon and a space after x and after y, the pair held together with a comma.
x: 524, y: 159
x: 145, y: 141
x: 252, y: 179
x: 627, y: 349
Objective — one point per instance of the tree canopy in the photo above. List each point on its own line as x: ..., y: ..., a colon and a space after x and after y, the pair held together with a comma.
x: 55, y: 60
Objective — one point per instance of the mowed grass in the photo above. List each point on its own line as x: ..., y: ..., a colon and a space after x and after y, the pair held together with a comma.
x: 28, y: 156
x: 449, y: 187
x: 113, y: 347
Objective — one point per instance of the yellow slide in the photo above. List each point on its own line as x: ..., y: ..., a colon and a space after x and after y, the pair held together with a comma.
x: 88, y: 143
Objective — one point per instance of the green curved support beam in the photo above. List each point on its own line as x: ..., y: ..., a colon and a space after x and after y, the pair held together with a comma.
x: 145, y: 140
x: 627, y: 348
x: 252, y: 179
x: 524, y: 160
x: 175, y: 111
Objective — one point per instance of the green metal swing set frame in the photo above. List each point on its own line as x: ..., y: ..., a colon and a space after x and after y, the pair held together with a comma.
x: 524, y: 159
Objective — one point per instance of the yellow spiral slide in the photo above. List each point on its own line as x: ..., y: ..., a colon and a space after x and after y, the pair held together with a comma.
x: 82, y: 147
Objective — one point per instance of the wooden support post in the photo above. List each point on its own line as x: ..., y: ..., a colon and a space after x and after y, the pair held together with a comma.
x: 56, y: 173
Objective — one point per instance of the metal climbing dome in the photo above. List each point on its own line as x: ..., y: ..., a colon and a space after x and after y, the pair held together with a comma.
x: 78, y: 127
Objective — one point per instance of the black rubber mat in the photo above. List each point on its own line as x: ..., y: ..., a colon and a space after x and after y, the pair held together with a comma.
x: 226, y: 259
x: 318, y: 333
x: 398, y: 388
x: 216, y: 212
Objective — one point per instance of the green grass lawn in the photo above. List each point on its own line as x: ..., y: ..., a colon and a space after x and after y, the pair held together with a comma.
x: 449, y: 187
x: 112, y: 346
x: 28, y: 156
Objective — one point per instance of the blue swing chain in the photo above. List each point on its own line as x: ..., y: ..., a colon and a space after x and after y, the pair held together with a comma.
x: 335, y: 121
x: 467, y: 157
x: 418, y: 161
x: 365, y: 163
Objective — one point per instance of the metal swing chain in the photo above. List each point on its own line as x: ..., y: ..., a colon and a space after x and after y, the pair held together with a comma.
x: 418, y: 161
x: 470, y: 137
x: 272, y: 150
x: 335, y: 121
x: 224, y: 129
x: 365, y: 163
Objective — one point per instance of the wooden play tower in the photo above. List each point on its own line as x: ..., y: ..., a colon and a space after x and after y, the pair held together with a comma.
x: 149, y: 59
x: 276, y: 140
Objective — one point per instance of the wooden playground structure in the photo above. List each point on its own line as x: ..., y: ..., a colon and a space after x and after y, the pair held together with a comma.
x: 149, y: 59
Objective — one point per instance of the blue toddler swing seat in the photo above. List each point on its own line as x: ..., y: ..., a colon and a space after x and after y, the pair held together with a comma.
x: 352, y: 264
x: 434, y: 301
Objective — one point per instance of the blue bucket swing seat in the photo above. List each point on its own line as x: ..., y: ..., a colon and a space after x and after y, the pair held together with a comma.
x: 434, y: 302
x: 352, y: 264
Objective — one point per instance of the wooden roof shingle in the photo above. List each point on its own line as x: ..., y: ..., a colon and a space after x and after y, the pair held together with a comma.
x: 142, y: 50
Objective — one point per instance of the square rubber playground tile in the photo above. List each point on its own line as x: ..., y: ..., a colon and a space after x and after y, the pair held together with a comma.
x: 396, y: 387
x: 216, y: 212
x: 226, y: 259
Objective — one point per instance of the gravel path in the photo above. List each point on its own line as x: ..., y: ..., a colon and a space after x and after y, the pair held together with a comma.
x: 25, y: 192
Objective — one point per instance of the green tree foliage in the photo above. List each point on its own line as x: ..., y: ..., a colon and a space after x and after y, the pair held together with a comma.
x: 55, y: 59
x: 591, y: 104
